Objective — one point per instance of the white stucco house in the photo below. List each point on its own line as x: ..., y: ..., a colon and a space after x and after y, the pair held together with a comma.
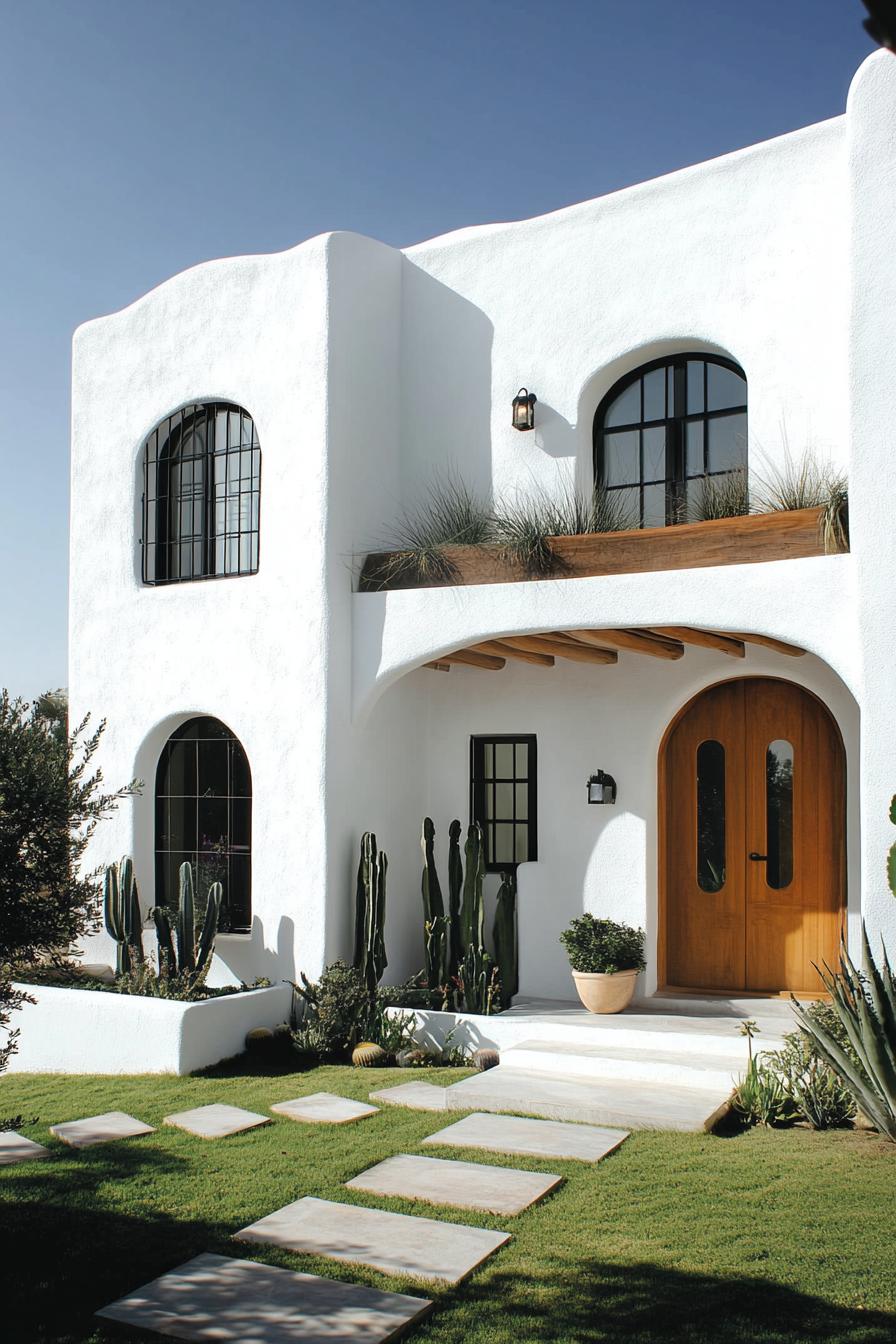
x: 262, y: 421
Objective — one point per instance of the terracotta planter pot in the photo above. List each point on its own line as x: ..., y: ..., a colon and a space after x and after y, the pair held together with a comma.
x: 605, y: 993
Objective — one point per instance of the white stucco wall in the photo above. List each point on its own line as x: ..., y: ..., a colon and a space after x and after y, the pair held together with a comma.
x: 344, y: 351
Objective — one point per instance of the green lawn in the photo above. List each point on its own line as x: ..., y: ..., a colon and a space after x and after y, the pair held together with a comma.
x: 762, y: 1236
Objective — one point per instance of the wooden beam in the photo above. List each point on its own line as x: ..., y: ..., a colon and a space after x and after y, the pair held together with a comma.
x: 439, y: 666
x: 779, y: 646
x: 470, y: 658
x: 499, y: 648
x: 704, y: 639
x: 633, y: 641
x: 560, y: 648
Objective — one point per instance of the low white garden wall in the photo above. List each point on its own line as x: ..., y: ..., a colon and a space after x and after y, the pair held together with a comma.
x: 89, y: 1031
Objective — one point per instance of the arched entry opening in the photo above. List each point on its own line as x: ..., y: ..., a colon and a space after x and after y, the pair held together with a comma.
x: 752, y: 862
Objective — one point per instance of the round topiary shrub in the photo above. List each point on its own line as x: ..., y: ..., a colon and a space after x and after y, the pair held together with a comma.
x: 603, y: 947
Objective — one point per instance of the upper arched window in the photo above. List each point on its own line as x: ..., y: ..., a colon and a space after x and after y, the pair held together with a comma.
x: 201, y: 479
x: 204, y: 817
x: 665, y: 430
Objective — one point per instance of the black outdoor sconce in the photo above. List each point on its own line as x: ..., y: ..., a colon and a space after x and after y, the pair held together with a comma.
x: 524, y: 409
x: 601, y: 788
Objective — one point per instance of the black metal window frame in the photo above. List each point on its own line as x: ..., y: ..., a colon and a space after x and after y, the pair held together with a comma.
x: 201, y: 508
x: 484, y: 781
x: 203, y: 816
x: 675, y: 420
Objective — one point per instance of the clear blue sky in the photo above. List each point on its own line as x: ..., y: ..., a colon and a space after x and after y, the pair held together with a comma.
x: 138, y: 137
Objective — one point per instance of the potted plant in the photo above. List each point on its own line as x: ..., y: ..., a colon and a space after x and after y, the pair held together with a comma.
x: 605, y: 958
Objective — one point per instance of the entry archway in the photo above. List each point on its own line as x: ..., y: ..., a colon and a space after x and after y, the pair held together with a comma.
x: 752, y: 863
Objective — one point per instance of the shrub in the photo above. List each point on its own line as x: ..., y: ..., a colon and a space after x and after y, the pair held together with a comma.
x: 761, y: 1097
x: 602, y: 946
x: 338, y: 1011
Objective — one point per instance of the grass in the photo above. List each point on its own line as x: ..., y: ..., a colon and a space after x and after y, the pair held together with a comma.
x: 525, y: 525
x: 450, y: 514
x: 778, y: 1237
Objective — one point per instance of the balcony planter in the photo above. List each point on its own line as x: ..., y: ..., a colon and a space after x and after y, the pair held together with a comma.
x: 783, y: 535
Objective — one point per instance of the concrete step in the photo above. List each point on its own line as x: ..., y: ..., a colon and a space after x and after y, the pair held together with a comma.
x: 612, y: 1101
x: 602, y: 1061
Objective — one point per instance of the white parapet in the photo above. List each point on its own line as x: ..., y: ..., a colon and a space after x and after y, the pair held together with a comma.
x: 92, y: 1031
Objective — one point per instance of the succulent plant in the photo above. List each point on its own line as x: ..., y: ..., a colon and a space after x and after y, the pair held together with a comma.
x: 370, y: 913
x: 121, y: 913
x: 181, y: 954
x: 486, y: 1058
x: 504, y: 933
x: 367, y: 1055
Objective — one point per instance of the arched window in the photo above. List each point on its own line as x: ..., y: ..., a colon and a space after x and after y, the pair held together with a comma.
x: 204, y: 817
x: 201, y: 481
x: 665, y: 430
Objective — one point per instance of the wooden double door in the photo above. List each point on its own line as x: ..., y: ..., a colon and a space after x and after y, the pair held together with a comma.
x: 752, y: 876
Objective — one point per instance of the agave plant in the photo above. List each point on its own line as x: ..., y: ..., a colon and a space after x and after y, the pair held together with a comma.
x: 865, y: 1003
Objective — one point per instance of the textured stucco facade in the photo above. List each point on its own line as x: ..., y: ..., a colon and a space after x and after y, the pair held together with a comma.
x: 780, y: 256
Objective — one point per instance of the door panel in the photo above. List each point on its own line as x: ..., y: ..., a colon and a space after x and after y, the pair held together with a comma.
x: 761, y: 922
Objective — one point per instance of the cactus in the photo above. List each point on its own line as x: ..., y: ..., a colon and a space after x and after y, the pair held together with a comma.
x: 891, y: 857
x: 121, y: 911
x: 455, y: 886
x: 435, y: 947
x: 370, y: 913
x: 472, y: 911
x: 367, y: 1055
x: 435, y: 925
x: 181, y: 954
x: 479, y: 980
x: 504, y: 933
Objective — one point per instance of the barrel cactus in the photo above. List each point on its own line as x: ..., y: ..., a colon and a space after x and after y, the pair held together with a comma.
x: 368, y: 1055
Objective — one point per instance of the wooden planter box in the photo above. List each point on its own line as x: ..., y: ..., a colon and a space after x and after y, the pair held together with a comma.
x: 724, y: 541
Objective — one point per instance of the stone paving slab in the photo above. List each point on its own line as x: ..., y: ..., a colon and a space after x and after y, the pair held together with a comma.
x: 16, y: 1148
x: 466, y: 1185
x: 394, y: 1243
x: 216, y: 1121
x: 100, y: 1129
x: 530, y: 1138
x: 325, y: 1108
x: 416, y: 1096
x: 214, y: 1297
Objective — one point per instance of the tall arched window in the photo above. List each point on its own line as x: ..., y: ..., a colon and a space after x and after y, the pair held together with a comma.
x: 204, y: 817
x: 666, y: 429
x: 201, y: 483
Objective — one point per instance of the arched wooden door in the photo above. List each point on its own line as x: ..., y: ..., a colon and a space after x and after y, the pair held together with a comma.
x: 752, y: 780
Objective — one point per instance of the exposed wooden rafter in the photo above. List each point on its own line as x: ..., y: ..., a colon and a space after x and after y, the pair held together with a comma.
x: 564, y: 647
x: 471, y: 658
x: 704, y: 639
x: 499, y: 648
x: 632, y: 641
x: 779, y: 646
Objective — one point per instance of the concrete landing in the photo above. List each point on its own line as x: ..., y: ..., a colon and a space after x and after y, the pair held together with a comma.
x: 623, y: 1104
x: 649, y: 1064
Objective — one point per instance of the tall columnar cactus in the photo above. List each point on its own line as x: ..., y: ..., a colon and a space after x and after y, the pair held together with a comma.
x: 121, y: 911
x: 472, y: 911
x: 455, y: 886
x: 179, y: 952
x: 370, y: 912
x: 435, y: 925
x: 479, y: 980
x: 504, y: 933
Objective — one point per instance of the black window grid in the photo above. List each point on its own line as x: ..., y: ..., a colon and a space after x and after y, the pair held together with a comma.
x: 201, y: 495
x: 485, y: 781
x: 674, y: 421
x: 207, y: 822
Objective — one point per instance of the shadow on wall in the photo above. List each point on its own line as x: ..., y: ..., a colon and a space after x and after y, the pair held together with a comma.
x: 446, y: 415
x: 246, y: 958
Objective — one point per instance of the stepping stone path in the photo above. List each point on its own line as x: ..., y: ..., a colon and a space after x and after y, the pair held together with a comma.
x: 325, y: 1108
x: 394, y: 1243
x: 530, y: 1138
x: 213, y: 1297
x: 416, y: 1096
x: 16, y: 1148
x: 466, y: 1185
x: 100, y: 1129
x: 216, y: 1121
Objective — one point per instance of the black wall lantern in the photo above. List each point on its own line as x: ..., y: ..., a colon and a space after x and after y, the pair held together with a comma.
x: 601, y: 788
x: 524, y: 409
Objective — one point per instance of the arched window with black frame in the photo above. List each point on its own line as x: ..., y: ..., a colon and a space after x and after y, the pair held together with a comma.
x: 204, y: 817
x: 672, y: 434
x: 201, y: 492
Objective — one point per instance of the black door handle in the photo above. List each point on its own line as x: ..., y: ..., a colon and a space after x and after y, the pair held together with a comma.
x: 758, y: 858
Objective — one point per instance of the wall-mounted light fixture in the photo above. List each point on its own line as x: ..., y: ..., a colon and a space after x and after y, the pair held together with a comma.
x: 524, y: 409
x: 601, y: 788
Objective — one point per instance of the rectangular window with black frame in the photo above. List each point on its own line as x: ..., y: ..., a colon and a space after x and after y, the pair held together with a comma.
x: 503, y: 798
